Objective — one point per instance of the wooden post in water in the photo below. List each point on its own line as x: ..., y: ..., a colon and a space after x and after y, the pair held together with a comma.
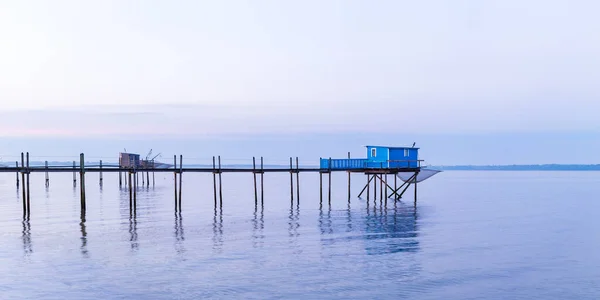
x: 395, y: 185
x: 120, y: 177
x: 130, y: 192
x: 47, y: 176
x: 380, y: 187
x: 349, y: 178
x: 369, y: 178
x: 329, y: 177
x: 74, y: 174
x: 375, y: 187
x: 153, y: 167
x: 101, y: 179
x: 147, y: 177
x: 386, y: 190
x: 135, y: 187
x: 17, y: 168
x: 23, y: 180
x: 28, y: 190
x: 220, y: 185
x: 254, y: 174
x: 175, y: 178
x: 416, y: 174
x: 215, y: 181
x: 82, y: 179
x: 291, y: 182
x: 297, y: 182
x: 320, y: 183
x: 262, y: 182
x: 180, y: 177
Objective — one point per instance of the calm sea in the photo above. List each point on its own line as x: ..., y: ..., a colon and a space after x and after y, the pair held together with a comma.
x: 473, y: 235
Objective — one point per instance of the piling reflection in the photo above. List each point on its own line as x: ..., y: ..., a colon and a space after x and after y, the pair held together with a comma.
x: 26, y: 235
x: 179, y: 236
x: 293, y: 225
x: 133, y: 235
x: 258, y: 225
x: 218, y: 230
x: 84, y: 241
x: 384, y: 229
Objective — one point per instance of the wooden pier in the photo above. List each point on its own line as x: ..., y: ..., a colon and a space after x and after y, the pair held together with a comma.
x: 376, y: 172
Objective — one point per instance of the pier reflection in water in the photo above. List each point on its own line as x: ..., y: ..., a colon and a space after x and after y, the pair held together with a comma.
x: 383, y: 229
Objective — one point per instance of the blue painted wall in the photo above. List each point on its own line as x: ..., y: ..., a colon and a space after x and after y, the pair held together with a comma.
x: 404, y: 157
x: 380, y: 160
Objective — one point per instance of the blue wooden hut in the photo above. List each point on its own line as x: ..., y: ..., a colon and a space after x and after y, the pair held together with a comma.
x: 378, y: 157
x: 392, y: 157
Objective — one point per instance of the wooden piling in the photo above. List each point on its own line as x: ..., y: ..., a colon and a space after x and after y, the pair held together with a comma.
x: 82, y: 180
x: 386, y: 190
x: 297, y: 182
x: 17, y: 168
x: 380, y: 188
x: 369, y: 186
x: 395, y: 184
x: 47, y: 176
x: 262, y: 182
x: 130, y: 192
x: 23, y: 180
x: 28, y: 189
x: 180, y: 178
x: 254, y: 174
x: 74, y: 174
x: 375, y: 187
x: 320, y: 186
x: 329, y: 177
x: 291, y: 182
x: 215, y: 181
x: 416, y: 174
x: 349, y: 179
x: 220, y: 185
x: 120, y: 180
x: 135, y: 187
x: 175, y: 178
x: 101, y: 179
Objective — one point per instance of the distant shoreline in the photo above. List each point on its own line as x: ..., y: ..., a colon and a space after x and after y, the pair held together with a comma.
x: 547, y: 167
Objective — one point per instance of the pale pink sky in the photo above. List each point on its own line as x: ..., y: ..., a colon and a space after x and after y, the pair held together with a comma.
x: 72, y: 67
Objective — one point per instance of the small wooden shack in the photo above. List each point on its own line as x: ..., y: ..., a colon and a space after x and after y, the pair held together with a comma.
x: 129, y: 160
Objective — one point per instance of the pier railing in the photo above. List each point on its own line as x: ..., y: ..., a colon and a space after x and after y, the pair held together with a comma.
x: 362, y: 163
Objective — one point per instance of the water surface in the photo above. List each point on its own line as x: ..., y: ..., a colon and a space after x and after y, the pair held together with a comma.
x: 473, y: 235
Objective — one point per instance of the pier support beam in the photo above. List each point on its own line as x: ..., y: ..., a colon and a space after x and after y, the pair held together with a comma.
x: 101, y: 179
x: 28, y: 189
x: 17, y: 172
x: 175, y: 178
x: 329, y: 177
x: 297, y: 182
x: 47, y: 176
x: 215, y: 181
x: 180, y: 178
x: 255, y: 187
x: 291, y: 182
x: 23, y: 180
x: 220, y: 185
x: 262, y: 182
x: 82, y: 180
x: 349, y: 173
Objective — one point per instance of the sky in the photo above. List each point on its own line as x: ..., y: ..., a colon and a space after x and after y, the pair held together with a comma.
x: 464, y: 79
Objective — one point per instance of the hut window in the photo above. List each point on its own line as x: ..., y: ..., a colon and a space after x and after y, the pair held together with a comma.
x: 406, y: 152
x: 373, y: 152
